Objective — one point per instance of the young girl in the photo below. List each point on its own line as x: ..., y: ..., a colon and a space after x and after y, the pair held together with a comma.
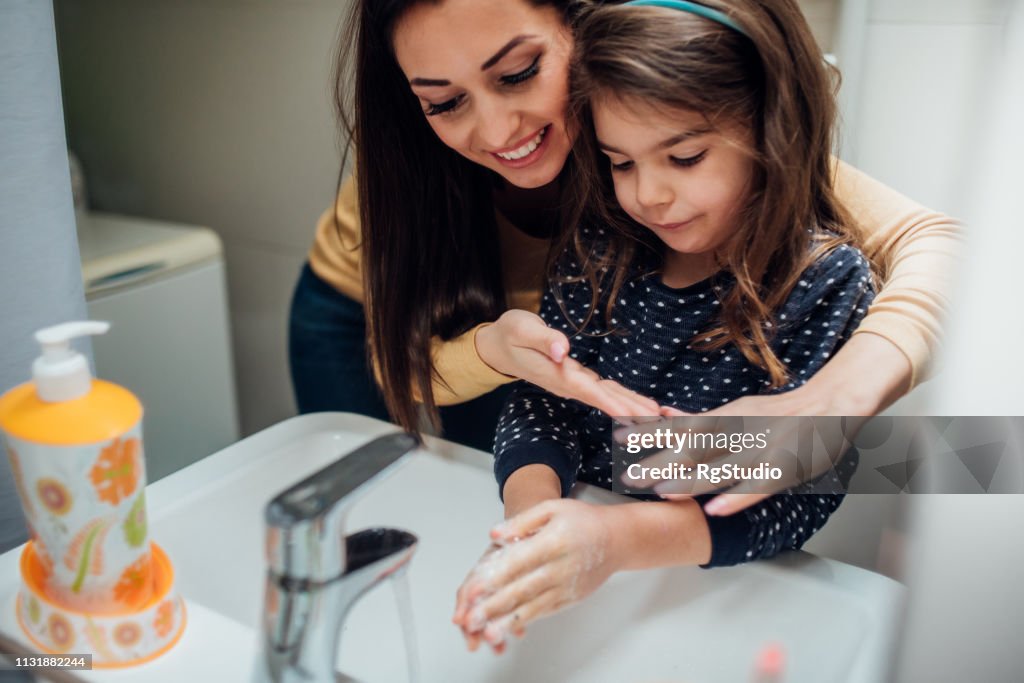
x: 711, y: 261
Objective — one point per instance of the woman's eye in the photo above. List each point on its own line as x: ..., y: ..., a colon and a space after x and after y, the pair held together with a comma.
x: 686, y: 162
x: 524, y: 75
x: 624, y: 166
x: 443, y: 107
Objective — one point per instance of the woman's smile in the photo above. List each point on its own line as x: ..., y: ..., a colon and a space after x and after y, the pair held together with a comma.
x: 525, y: 152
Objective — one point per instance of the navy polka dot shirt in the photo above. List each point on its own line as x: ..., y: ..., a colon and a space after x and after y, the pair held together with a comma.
x: 653, y: 356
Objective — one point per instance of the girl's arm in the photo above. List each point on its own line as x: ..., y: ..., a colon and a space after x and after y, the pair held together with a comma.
x: 529, y: 486
x: 536, y: 447
x: 536, y: 431
x: 560, y: 551
x: 539, y: 428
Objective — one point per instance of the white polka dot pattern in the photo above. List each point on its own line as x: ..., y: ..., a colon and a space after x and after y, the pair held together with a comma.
x: 648, y: 350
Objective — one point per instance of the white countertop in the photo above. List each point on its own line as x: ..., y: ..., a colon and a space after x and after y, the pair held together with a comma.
x: 835, y: 622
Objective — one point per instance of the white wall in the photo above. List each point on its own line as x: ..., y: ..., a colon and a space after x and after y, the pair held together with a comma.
x: 216, y: 113
x: 921, y: 71
x: 966, y: 610
x: 916, y: 100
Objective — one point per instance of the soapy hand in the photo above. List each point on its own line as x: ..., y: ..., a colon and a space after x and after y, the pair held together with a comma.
x: 521, y: 345
x: 550, y: 556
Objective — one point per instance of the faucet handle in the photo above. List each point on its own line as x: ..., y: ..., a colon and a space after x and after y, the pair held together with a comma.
x: 305, y: 536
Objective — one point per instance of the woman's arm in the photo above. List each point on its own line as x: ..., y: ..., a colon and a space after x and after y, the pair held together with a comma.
x: 916, y: 249
x: 891, y: 351
x: 518, y: 345
x: 336, y: 257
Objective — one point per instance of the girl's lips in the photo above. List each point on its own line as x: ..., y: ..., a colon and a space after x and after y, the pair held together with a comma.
x: 532, y: 156
x: 673, y: 226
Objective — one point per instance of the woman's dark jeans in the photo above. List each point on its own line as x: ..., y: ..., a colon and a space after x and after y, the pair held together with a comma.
x: 327, y: 357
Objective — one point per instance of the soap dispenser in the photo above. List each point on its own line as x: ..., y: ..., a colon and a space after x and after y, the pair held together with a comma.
x: 75, y: 448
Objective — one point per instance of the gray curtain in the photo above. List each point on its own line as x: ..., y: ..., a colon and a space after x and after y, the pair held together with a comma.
x: 40, y: 271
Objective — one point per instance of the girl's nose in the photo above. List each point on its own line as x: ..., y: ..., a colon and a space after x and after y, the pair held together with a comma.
x: 652, y: 191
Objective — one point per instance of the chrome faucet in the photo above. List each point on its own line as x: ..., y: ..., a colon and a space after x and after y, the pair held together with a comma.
x: 315, y: 573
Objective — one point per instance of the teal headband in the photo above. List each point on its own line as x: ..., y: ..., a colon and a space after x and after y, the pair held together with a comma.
x: 692, y: 8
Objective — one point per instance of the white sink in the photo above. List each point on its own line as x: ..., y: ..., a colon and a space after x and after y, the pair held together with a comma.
x: 835, y: 622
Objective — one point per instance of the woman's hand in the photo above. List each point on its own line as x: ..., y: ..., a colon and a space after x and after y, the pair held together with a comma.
x: 521, y: 345
x: 862, y: 379
x: 803, y: 448
x: 542, y: 560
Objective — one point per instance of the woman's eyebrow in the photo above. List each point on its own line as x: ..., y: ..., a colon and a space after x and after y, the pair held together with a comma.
x: 504, y: 51
x: 430, y: 82
x: 494, y: 59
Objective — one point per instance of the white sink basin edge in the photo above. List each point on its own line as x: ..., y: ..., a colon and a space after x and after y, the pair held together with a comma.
x: 836, y: 622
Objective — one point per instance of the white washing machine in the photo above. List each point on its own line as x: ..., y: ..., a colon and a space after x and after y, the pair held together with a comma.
x: 162, y: 287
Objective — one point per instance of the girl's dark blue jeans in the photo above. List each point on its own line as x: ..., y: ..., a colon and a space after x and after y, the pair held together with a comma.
x: 327, y: 358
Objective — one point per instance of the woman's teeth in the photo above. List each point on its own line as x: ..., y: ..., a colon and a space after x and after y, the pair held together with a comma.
x: 525, y: 149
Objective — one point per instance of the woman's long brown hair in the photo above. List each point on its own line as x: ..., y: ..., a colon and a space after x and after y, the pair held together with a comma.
x: 430, y: 252
x: 773, y: 81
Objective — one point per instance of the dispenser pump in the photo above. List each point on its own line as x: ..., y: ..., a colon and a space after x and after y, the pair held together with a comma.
x: 61, y: 373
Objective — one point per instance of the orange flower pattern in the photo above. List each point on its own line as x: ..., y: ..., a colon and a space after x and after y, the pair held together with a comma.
x: 127, y: 633
x: 117, y: 471
x: 55, y: 496
x: 136, y: 582
x: 61, y: 634
x: 164, y: 620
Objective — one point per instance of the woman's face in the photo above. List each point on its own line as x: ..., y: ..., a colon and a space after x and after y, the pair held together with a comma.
x: 492, y: 78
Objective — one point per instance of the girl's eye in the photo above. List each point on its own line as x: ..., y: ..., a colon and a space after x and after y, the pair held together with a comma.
x: 524, y: 75
x: 444, y: 107
x: 689, y: 161
x: 624, y: 166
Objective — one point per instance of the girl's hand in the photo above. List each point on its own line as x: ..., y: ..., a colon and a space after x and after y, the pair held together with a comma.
x: 521, y: 345
x: 463, y: 603
x: 546, y: 558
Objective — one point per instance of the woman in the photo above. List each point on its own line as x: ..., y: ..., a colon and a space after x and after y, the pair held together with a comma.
x: 458, y: 116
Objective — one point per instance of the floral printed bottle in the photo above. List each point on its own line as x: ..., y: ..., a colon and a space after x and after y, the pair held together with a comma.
x: 75, y: 449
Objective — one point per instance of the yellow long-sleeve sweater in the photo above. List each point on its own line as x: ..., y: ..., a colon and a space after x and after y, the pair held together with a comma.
x: 916, y: 247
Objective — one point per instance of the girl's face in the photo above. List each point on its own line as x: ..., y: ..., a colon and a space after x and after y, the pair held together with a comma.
x: 676, y: 176
x: 492, y: 77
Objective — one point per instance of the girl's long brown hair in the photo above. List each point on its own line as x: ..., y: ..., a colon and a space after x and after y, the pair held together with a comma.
x: 773, y: 81
x: 430, y: 253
